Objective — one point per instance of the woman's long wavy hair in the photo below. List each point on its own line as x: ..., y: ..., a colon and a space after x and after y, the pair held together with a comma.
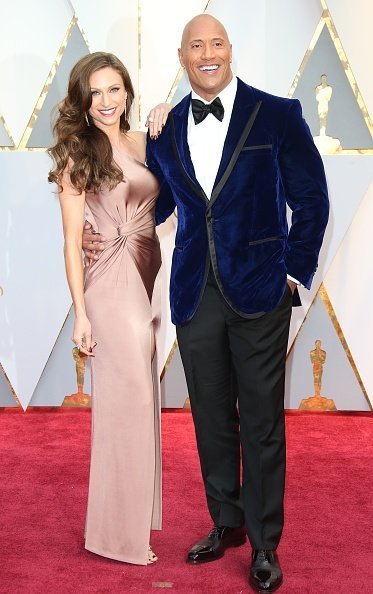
x: 77, y: 137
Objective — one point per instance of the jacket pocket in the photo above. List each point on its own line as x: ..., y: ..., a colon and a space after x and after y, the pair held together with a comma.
x: 258, y: 147
x: 274, y: 238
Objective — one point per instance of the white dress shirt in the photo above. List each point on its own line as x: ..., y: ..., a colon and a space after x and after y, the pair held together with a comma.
x: 206, y: 140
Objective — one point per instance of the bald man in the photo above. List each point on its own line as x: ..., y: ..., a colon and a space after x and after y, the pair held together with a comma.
x: 230, y: 158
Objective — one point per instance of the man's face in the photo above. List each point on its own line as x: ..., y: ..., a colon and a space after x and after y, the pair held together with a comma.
x: 206, y: 55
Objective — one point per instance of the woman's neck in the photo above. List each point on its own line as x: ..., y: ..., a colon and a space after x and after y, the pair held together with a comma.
x: 115, y: 137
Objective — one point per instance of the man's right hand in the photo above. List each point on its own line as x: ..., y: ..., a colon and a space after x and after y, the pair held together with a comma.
x: 91, y: 242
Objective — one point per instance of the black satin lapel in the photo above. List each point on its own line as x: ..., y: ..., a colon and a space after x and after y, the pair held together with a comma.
x: 234, y: 142
x: 179, y: 138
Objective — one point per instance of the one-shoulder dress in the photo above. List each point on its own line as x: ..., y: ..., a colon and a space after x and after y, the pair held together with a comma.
x: 122, y: 304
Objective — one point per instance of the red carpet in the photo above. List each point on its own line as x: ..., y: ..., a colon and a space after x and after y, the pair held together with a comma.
x: 327, y: 544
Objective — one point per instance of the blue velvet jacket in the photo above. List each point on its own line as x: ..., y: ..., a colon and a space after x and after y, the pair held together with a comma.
x: 268, y: 160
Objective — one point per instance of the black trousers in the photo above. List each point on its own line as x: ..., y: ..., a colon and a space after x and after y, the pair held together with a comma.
x: 230, y: 360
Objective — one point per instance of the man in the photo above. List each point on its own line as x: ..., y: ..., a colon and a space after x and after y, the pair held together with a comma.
x: 229, y: 160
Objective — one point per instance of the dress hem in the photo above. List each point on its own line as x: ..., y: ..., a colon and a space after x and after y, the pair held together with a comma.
x: 115, y: 557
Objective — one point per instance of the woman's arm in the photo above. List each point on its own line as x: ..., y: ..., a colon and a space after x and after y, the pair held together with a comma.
x: 72, y: 209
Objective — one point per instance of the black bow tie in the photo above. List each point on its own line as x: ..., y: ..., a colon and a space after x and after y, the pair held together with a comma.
x: 201, y: 110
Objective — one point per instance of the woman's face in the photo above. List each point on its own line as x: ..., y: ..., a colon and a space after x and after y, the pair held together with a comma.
x: 108, y: 98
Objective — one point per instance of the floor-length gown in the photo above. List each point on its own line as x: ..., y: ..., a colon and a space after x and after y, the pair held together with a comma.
x: 124, y: 500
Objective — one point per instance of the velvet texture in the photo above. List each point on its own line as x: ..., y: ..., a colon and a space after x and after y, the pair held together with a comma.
x: 243, y: 229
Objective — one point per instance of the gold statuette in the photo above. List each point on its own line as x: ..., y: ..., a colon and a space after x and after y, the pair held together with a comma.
x: 327, y: 145
x: 317, y: 402
x: 79, y: 398
x: 187, y: 403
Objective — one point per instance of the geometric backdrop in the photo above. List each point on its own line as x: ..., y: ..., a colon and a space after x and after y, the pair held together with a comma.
x: 282, y: 47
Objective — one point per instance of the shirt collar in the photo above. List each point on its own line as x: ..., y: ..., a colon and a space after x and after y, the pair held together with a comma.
x: 227, y: 95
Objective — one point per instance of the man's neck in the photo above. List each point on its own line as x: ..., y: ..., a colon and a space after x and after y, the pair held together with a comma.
x: 208, y: 96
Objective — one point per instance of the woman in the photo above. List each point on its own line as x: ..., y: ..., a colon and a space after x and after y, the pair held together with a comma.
x: 101, y: 176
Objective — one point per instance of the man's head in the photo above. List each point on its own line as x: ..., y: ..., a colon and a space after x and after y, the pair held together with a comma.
x: 206, y: 54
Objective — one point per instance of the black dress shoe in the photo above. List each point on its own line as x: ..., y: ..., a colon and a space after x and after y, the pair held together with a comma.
x: 265, y: 571
x: 213, y: 546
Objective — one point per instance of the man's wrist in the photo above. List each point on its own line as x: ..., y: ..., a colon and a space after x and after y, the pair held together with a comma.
x: 294, y: 280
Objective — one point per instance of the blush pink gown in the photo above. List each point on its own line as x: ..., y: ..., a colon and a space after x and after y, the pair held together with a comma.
x: 122, y: 303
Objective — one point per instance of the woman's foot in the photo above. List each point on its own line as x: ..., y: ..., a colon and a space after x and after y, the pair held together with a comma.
x: 152, y: 557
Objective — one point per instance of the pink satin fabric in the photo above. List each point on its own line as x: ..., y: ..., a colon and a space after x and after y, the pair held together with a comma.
x: 122, y: 298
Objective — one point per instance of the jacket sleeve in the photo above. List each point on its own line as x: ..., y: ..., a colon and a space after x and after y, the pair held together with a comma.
x: 303, y: 179
x: 165, y: 205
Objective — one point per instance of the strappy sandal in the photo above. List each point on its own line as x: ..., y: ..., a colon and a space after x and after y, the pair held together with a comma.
x: 152, y: 557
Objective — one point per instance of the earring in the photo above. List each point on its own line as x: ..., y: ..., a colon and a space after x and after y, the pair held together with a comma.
x: 86, y: 119
x: 124, y: 115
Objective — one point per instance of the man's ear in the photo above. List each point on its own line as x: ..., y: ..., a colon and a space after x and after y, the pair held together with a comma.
x: 180, y: 53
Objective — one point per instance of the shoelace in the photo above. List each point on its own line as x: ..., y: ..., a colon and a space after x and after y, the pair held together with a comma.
x: 216, y: 531
x: 263, y: 555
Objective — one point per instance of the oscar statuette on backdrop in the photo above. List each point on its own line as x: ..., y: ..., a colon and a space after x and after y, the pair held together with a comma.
x: 327, y: 145
x: 79, y: 398
x: 317, y: 402
x: 187, y: 403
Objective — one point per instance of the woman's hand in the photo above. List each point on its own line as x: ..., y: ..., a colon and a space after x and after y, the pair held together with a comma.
x: 82, y: 335
x: 157, y: 118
